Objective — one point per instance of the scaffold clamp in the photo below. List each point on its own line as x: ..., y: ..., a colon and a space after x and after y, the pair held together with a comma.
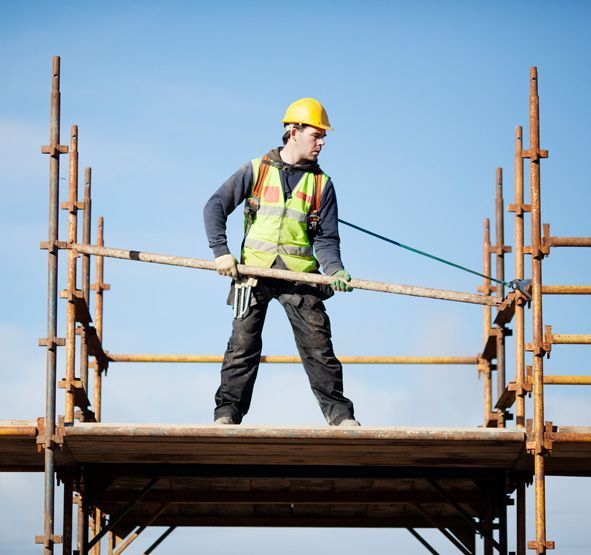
x: 50, y: 541
x: 522, y: 286
x: 54, y: 150
x: 51, y: 342
x: 540, y: 547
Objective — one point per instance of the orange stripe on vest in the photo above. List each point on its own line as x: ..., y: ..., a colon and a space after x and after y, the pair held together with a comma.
x: 304, y: 196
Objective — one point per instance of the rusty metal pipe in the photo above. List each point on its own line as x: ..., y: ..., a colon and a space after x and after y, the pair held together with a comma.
x: 170, y: 431
x: 571, y: 339
x: 500, y: 275
x: 85, y: 277
x: 519, y: 274
x: 67, y: 516
x: 83, y: 517
x: 567, y: 380
x: 282, y: 359
x: 95, y: 528
x: 566, y: 289
x: 72, y: 207
x: 537, y: 320
x: 98, y: 371
x: 521, y: 519
x: 139, y: 530
x: 570, y: 437
x: 486, y: 290
x: 52, y: 292
x: 286, y: 275
x: 18, y: 431
x: 99, y: 288
x: 570, y: 241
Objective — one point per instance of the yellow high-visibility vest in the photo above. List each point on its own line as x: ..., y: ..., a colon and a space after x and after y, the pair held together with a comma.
x: 280, y: 227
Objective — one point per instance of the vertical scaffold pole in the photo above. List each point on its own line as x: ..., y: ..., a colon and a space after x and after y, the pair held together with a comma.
x: 67, y: 515
x: 54, y: 149
x: 537, y: 446
x: 485, y: 365
x: 98, y: 287
x: 519, y: 208
x: 83, y: 515
x: 521, y: 522
x: 500, y: 275
x: 85, y: 278
x: 72, y: 207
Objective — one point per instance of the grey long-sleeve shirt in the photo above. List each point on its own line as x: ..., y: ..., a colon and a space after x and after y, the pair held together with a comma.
x: 238, y: 187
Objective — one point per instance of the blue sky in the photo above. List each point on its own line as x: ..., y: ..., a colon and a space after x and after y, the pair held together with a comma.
x: 172, y: 97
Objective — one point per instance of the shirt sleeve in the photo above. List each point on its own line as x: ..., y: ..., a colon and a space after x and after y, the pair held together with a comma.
x: 222, y: 203
x: 327, y: 243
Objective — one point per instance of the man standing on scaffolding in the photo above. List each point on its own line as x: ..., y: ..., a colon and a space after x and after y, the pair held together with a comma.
x: 290, y: 214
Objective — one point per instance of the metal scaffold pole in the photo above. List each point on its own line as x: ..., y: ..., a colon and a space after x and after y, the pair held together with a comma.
x: 72, y: 207
x: 485, y: 366
x: 519, y: 209
x: 537, y: 445
x: 500, y: 249
x: 302, y: 277
x: 85, y: 277
x: 51, y: 342
x: 99, y: 287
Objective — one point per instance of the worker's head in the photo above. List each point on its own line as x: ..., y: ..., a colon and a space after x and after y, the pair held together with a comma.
x: 306, y: 123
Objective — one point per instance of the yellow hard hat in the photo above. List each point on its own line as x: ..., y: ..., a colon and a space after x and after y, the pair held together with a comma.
x: 307, y: 111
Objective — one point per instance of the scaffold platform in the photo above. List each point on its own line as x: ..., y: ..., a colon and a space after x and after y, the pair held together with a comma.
x: 207, y: 475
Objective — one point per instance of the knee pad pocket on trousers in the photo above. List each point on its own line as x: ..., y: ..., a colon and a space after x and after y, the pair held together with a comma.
x: 244, y: 341
x: 292, y: 299
x: 316, y: 313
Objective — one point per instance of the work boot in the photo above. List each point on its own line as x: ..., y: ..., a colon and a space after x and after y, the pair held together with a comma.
x: 348, y: 422
x: 224, y: 420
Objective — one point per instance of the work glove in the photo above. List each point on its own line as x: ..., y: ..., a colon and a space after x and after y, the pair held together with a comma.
x: 226, y: 265
x: 340, y: 284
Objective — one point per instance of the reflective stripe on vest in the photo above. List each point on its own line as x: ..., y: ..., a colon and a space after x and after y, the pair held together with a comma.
x: 280, y: 227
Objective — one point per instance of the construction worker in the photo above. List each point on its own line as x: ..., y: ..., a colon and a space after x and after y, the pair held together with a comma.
x: 290, y: 214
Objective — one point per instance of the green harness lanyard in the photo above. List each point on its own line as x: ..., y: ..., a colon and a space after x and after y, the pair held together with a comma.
x: 515, y: 284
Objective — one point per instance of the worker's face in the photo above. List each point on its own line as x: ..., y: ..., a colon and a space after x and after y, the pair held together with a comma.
x: 309, y: 142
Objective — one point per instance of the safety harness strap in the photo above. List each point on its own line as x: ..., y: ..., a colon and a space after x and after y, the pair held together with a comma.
x: 263, y: 171
x: 315, y: 207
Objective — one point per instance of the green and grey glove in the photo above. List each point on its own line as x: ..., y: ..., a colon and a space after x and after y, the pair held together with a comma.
x: 340, y: 284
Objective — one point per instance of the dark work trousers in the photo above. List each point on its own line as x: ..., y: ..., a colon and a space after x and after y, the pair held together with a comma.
x: 311, y: 327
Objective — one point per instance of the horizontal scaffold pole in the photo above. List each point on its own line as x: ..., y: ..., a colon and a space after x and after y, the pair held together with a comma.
x: 566, y: 289
x: 571, y: 339
x: 286, y: 359
x: 570, y: 241
x: 567, y: 380
x: 302, y: 277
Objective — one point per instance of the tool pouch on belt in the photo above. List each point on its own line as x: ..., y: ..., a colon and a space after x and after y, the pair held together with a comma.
x: 251, y: 208
x: 314, y: 215
x: 253, y: 202
x: 313, y: 225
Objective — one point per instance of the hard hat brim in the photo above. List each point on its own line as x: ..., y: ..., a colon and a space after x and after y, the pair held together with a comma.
x: 318, y: 125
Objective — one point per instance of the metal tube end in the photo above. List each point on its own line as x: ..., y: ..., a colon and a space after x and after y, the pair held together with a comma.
x: 74, y: 137
x: 55, y: 69
x: 533, y: 81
